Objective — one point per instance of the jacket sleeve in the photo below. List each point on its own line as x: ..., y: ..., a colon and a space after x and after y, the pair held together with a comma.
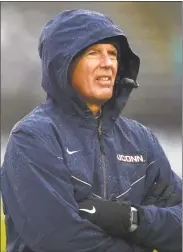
x: 161, y: 225
x: 37, y: 190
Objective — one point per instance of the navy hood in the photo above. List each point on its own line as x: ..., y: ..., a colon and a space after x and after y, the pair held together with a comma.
x: 65, y: 36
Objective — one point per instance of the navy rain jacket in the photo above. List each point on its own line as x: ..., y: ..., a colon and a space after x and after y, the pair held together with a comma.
x: 58, y: 155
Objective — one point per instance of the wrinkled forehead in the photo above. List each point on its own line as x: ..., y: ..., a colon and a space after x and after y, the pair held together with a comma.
x: 100, y: 46
x: 109, y: 41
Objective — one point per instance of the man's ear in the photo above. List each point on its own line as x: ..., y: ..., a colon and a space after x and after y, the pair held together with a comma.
x: 72, y: 67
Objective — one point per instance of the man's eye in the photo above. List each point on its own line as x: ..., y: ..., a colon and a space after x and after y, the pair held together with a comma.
x: 113, y: 54
x: 92, y: 53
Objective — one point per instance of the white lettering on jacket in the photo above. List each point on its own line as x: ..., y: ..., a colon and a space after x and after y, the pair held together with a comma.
x: 131, y: 159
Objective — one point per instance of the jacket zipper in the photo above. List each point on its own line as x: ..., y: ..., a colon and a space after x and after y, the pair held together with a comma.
x: 102, y: 159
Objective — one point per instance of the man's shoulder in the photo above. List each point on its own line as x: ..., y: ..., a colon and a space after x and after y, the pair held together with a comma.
x: 132, y: 125
x: 135, y: 129
x: 35, y: 122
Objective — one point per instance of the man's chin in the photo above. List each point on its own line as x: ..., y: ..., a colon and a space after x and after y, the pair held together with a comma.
x: 102, y: 99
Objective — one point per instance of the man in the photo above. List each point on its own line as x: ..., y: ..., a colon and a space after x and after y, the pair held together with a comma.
x: 76, y: 175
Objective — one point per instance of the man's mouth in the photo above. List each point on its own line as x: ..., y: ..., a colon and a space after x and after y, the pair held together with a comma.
x: 103, y: 78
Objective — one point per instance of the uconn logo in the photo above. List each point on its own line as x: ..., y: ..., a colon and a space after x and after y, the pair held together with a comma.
x: 130, y: 159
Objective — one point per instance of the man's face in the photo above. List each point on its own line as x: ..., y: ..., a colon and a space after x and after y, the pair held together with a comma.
x: 93, y: 73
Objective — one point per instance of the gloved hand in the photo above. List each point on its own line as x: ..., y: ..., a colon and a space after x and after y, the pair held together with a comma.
x: 113, y: 217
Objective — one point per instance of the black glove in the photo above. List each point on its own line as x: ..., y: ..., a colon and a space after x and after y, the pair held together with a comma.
x: 112, y: 217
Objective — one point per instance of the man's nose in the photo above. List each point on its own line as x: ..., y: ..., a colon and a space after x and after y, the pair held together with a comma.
x: 106, y: 61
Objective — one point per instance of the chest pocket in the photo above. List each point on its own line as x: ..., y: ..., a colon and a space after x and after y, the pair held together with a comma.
x: 132, y: 170
x: 82, y: 189
x: 81, y: 168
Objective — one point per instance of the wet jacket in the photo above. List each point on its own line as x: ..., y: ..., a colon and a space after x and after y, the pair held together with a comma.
x: 59, y: 154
